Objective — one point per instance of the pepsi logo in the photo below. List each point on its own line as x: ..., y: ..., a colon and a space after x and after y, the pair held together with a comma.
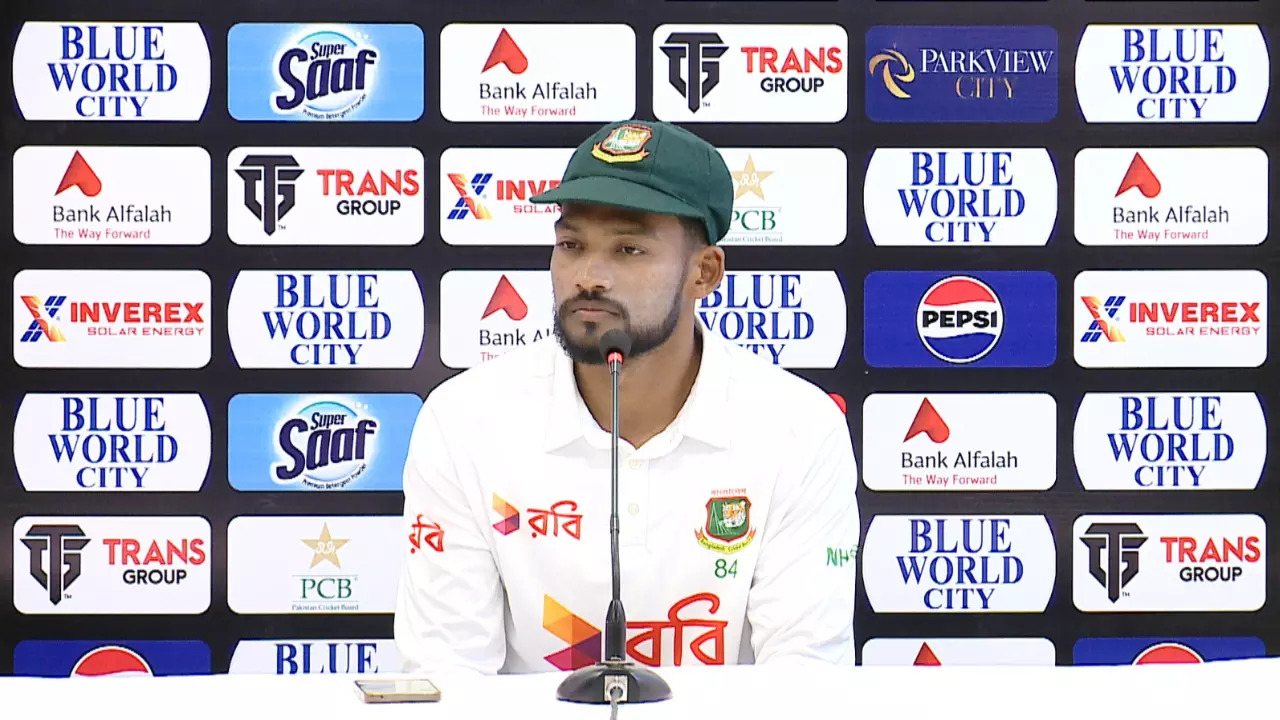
x: 1168, y: 653
x: 112, y: 660
x: 959, y: 319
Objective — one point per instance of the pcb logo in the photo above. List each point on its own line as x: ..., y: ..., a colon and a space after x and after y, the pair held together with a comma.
x: 728, y: 527
x: 624, y: 143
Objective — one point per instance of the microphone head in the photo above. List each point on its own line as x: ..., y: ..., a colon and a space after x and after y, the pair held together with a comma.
x: 615, y: 341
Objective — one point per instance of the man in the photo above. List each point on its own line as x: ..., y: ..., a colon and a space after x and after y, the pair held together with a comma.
x: 736, y: 476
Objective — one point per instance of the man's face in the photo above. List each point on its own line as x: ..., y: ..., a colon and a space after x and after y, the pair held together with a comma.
x: 614, y: 268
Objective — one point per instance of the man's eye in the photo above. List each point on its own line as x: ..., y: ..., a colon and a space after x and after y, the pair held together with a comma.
x: 631, y: 250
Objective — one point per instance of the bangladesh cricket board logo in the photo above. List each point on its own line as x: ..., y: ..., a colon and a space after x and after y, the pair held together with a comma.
x: 624, y: 143
x: 728, y: 528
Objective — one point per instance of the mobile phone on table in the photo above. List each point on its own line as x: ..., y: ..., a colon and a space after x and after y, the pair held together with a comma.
x: 397, y: 691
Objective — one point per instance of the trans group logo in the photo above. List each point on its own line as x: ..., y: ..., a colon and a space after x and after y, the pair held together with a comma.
x: 954, y: 74
x: 325, y: 196
x: 984, y: 319
x: 325, y: 73
x: 1172, y: 73
x: 111, y: 71
x: 319, y: 442
x: 750, y: 73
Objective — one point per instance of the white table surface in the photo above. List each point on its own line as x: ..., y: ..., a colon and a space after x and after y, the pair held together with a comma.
x: 1234, y: 690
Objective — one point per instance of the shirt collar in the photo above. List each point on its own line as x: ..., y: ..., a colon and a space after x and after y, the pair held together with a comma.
x: 704, y: 416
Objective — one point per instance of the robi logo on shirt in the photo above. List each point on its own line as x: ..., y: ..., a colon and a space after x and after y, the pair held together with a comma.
x: 959, y: 319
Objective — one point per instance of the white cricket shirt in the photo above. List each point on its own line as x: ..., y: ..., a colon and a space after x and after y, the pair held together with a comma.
x: 739, y: 522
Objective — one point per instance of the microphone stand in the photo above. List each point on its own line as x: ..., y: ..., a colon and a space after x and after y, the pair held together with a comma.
x: 614, y: 680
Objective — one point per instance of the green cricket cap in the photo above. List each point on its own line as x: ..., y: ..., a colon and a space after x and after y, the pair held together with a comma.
x: 652, y: 167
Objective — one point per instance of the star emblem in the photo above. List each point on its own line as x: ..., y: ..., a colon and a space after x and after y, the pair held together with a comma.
x: 749, y: 179
x: 325, y: 547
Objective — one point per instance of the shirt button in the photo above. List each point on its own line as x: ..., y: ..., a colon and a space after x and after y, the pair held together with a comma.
x: 635, y: 465
x: 634, y: 509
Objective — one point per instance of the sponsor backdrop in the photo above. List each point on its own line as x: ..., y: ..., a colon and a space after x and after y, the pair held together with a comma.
x: 1023, y: 244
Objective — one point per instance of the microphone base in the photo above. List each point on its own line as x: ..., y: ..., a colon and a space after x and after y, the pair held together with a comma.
x: 590, y: 684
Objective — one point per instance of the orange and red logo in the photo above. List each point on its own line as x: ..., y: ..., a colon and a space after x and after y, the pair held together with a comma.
x: 506, y: 299
x: 646, y: 647
x: 425, y: 533
x: 1139, y: 176
x: 929, y: 422
x: 506, y: 52
x: 80, y: 175
x: 562, y: 516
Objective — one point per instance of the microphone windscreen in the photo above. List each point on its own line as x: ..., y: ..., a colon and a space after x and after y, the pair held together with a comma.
x: 615, y: 341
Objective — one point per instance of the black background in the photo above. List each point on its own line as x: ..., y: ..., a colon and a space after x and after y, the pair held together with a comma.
x: 857, y: 136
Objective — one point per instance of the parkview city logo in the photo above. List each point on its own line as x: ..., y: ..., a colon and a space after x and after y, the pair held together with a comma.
x: 127, y: 71
x: 792, y: 319
x: 1169, y: 563
x: 325, y: 72
x: 111, y: 318
x: 923, y: 319
x: 126, y: 443
x: 1170, y: 318
x: 325, y: 319
x: 955, y: 441
x: 319, y: 442
x: 325, y: 196
x: 314, y: 657
x: 750, y: 73
x: 984, y: 652
x: 1172, y: 73
x: 960, y: 196
x: 125, y: 565
x: 959, y: 564
x: 99, y: 195
x: 1170, y: 441
x: 279, y: 565
x: 1171, y: 196
x: 782, y: 196
x: 537, y: 72
x: 954, y: 74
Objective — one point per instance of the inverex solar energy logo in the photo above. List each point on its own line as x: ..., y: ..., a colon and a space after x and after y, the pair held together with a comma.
x: 1172, y: 73
x: 953, y: 74
x: 941, y: 319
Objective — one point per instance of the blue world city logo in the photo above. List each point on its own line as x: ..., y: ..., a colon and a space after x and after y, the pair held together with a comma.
x: 325, y: 75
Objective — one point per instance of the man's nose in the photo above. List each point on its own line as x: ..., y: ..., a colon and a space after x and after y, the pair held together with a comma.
x: 594, y: 275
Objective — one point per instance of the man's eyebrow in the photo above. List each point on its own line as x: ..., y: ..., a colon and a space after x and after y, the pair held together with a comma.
x: 563, y: 224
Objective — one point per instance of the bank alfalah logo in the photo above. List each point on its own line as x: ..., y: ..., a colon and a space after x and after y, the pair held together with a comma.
x: 269, y: 190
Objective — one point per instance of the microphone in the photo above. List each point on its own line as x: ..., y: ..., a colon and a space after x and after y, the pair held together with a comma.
x: 614, y: 680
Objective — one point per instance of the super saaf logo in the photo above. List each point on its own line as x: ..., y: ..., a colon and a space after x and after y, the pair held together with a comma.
x: 917, y: 319
x: 953, y: 74
x: 1172, y: 73
x: 127, y: 71
x: 325, y: 73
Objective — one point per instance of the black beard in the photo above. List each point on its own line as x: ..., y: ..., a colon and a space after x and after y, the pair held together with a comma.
x: 643, y: 339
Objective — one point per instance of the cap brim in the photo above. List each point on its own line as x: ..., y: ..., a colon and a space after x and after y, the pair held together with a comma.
x: 616, y: 192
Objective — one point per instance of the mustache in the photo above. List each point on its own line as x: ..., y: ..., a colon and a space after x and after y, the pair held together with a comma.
x: 592, y: 298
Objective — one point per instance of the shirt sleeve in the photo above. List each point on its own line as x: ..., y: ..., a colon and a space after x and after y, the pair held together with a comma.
x: 450, y: 605
x: 800, y: 606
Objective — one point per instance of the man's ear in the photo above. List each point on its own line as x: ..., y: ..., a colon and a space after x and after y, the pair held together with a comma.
x: 708, y: 266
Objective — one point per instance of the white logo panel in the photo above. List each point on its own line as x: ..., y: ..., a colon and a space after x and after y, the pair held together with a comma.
x: 1177, y: 441
x: 125, y: 565
x: 537, y: 72
x: 960, y: 196
x: 326, y: 196
x: 485, y: 313
x: 1170, y: 318
x: 312, y: 657
x: 981, y: 652
x: 111, y: 318
x: 1171, y: 196
x: 135, y: 443
x: 98, y: 195
x: 959, y: 564
x: 131, y: 71
x: 1169, y: 563
x: 1172, y: 73
x: 325, y: 319
x: 954, y: 441
x: 484, y: 195
x: 302, y: 564
x: 751, y: 73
